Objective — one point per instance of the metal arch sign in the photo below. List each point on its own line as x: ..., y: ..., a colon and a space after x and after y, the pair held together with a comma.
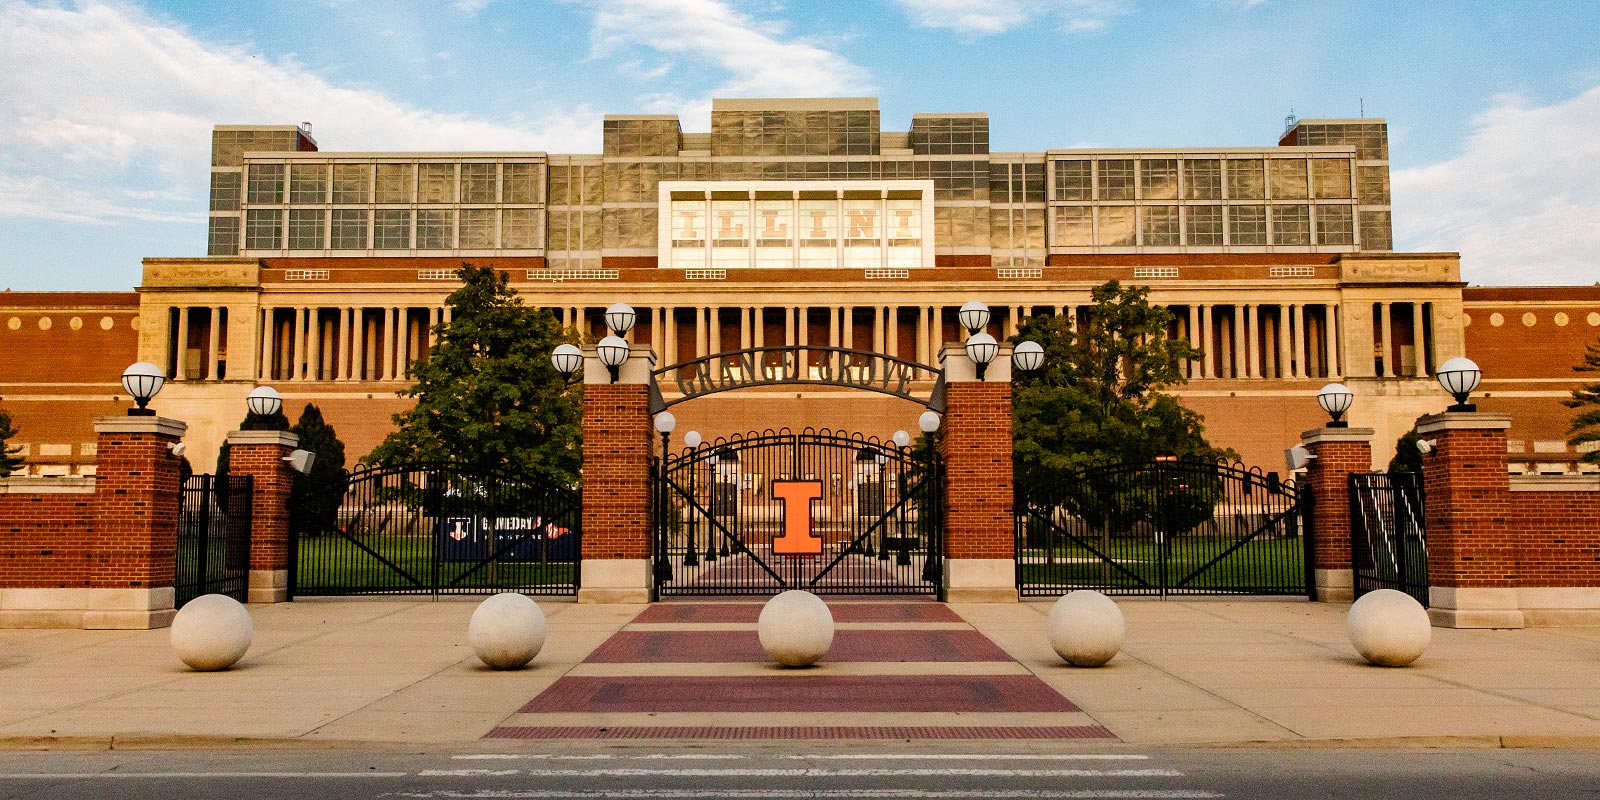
x: 797, y: 364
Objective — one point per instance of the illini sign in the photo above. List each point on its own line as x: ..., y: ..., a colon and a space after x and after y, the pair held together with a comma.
x: 797, y: 224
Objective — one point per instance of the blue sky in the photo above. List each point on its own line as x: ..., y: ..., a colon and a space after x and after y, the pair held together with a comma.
x: 1493, y: 107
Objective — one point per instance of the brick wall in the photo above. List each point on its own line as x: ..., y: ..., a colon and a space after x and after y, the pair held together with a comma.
x: 1471, y: 542
x: 1328, y: 476
x: 1558, y: 537
x: 976, y: 446
x: 617, y: 447
x: 271, y: 480
x: 45, y: 538
x: 136, y: 512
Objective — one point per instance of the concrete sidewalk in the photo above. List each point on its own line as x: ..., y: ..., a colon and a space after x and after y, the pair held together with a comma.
x: 1192, y: 672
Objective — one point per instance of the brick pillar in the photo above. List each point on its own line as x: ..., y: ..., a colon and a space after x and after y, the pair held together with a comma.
x: 1472, y: 555
x: 980, y: 527
x: 1338, y: 452
x: 260, y: 455
x: 618, y: 443
x: 136, y: 502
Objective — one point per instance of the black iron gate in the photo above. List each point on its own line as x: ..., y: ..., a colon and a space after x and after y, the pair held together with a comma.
x: 435, y: 529
x: 213, y: 555
x: 1167, y: 527
x: 826, y: 512
x: 1388, y: 546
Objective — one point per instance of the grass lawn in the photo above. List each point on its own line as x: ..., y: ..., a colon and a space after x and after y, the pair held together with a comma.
x: 334, y: 565
x: 1266, y: 566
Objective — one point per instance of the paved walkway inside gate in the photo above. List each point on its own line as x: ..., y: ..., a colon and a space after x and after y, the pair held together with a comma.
x: 400, y: 672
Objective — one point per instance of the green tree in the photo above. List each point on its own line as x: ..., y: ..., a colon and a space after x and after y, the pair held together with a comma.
x: 487, y: 395
x: 10, y: 461
x: 275, y: 421
x: 1098, y: 396
x: 1585, y: 426
x: 323, y: 486
x: 1407, y: 458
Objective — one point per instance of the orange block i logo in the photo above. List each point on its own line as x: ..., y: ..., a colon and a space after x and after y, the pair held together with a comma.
x: 797, y: 539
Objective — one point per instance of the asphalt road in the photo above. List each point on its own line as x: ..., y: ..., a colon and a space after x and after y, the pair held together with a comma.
x: 714, y: 771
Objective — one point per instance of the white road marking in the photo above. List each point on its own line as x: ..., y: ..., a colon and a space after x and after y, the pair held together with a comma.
x: 819, y: 794
x: 24, y: 776
x: 817, y: 757
x: 815, y: 773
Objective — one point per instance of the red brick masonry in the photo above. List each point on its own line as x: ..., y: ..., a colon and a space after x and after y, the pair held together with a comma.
x: 978, y: 479
x: 803, y: 693
x: 660, y: 647
x: 45, y: 541
x: 617, y: 447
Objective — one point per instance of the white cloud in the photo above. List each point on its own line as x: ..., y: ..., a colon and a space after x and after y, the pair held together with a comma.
x: 1521, y: 203
x: 109, y: 114
x: 989, y: 17
x: 757, y: 56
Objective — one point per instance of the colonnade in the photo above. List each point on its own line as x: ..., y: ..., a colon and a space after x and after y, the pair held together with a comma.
x: 380, y: 342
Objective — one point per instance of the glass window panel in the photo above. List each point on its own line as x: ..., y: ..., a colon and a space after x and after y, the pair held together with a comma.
x: 1331, y: 177
x: 819, y: 227
x: 1291, y: 225
x: 1288, y: 178
x: 436, y: 183
x: 1376, y: 232
x: 520, y: 229
x: 265, y: 184
x: 1074, y: 180
x: 774, y: 223
x: 1246, y: 180
x: 590, y: 184
x: 435, y: 229
x: 593, y: 233
x: 349, y: 230
x: 305, y: 228
x: 561, y: 226
x: 688, y: 223
x: 478, y: 183
x: 1116, y: 179
x: 1158, y: 225
x: 225, y: 191
x: 730, y: 222
x: 560, y: 184
x: 391, y: 228
x: 350, y: 182
x: 1202, y: 179
x: 395, y: 183
x: 1116, y: 226
x: 1373, y: 185
x: 1336, y: 225
x: 263, y: 229
x: 223, y: 238
x: 1074, y: 226
x: 1158, y: 179
x: 904, y: 221
x: 1247, y: 225
x: 308, y: 183
x: 1204, y: 225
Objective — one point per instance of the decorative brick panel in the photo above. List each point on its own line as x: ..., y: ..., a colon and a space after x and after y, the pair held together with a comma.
x: 617, y: 448
x: 135, y: 511
x: 976, y: 447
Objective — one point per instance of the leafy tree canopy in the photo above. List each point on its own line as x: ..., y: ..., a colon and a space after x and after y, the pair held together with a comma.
x: 1585, y: 426
x: 1098, y: 396
x: 487, y: 395
x: 10, y: 460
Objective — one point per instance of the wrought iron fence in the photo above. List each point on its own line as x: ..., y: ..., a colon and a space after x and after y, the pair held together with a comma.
x: 875, y: 516
x: 435, y: 529
x: 1388, y: 541
x: 1161, y: 528
x: 213, y: 555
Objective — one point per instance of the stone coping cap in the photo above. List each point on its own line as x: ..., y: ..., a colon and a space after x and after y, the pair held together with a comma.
x: 159, y: 425
x: 77, y: 484
x: 1463, y: 421
x: 1555, y: 483
x: 280, y: 438
x: 1326, y: 434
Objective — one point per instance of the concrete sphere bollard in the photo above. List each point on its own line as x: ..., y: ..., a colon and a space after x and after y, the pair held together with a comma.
x: 1086, y: 628
x: 796, y: 628
x: 1389, y: 628
x: 211, y: 632
x: 507, y: 631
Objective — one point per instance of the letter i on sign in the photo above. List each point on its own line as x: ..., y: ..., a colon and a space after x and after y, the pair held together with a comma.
x: 797, y: 539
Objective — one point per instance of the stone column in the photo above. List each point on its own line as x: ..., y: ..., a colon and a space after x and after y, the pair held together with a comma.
x: 1284, y: 326
x: 892, y: 344
x: 746, y: 334
x: 137, y: 498
x: 181, y: 367
x: 1419, y: 339
x: 1301, y: 351
x: 922, y: 336
x: 1335, y: 346
x: 758, y: 325
x: 701, y: 332
x: 1235, y: 347
x: 669, y: 344
x: 1209, y: 360
x: 433, y: 326
x: 260, y: 455
x: 1191, y: 331
x: 788, y: 326
x: 618, y: 442
x: 264, y: 369
x: 834, y: 312
x: 975, y: 443
x: 214, y: 345
x: 1338, y: 452
x: 1252, y: 338
x: 1473, y: 558
x: 1386, y: 343
x: 346, y: 320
